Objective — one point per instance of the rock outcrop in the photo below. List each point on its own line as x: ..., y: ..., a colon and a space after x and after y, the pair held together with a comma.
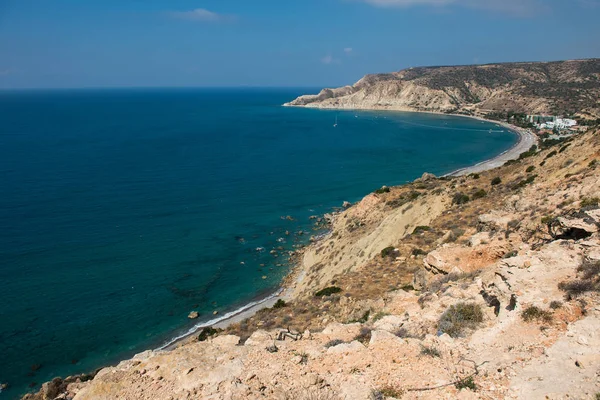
x: 563, y: 87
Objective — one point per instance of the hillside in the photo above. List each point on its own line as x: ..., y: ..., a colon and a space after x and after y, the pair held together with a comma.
x: 551, y: 88
x: 483, y: 286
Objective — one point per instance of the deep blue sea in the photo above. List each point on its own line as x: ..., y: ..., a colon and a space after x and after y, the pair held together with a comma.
x: 123, y: 210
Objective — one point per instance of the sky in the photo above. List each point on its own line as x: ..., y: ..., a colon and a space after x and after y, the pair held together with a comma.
x: 276, y: 43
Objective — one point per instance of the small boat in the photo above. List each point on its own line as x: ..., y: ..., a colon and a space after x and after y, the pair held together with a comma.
x: 335, y: 125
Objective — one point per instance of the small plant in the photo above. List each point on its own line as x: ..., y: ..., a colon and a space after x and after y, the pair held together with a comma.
x: 593, y: 164
x: 474, y: 176
x: 206, y: 333
x: 466, y: 383
x: 387, y: 391
x: 529, y: 169
x: 383, y: 190
x: 589, y: 280
x: 421, y: 229
x: 479, y: 194
x: 279, y: 304
x: 496, y: 181
x: 460, y: 198
x: 408, y: 288
x: 333, y: 343
x: 379, y: 316
x: 533, y: 313
x: 430, y: 351
x: 566, y: 146
x: 510, y: 254
x: 328, y: 291
x: 551, y: 154
x: 459, y: 318
x: 555, y: 305
x: 388, y: 252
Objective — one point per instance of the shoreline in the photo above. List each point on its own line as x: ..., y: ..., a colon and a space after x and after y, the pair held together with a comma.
x: 525, y: 140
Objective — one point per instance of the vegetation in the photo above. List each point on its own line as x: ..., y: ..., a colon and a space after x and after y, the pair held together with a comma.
x: 206, y: 333
x: 460, y: 198
x: 496, y: 181
x: 466, y: 383
x: 279, y: 304
x: 529, y: 169
x: 387, y: 391
x: 551, y: 154
x: 589, y: 202
x: 363, y: 319
x: 479, y: 194
x: 555, y: 305
x: 474, y: 176
x: 388, y: 252
x: 588, y: 280
x: 430, y: 351
x: 525, y: 182
x: 383, y: 190
x: 459, y: 318
x: 533, y: 313
x: 418, y: 252
x: 333, y: 343
x: 328, y: 291
x: 364, y: 335
x: 531, y: 152
x: 421, y: 229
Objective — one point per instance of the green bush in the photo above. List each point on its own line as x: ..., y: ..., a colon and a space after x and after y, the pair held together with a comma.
x: 459, y: 318
x: 206, y: 333
x: 533, y: 313
x: 496, y: 181
x: 526, y: 182
x: 418, y: 252
x: 460, y: 198
x: 279, y: 304
x: 479, y: 194
x: 430, y: 351
x: 474, y: 176
x: 421, y: 229
x: 328, y: 291
x: 529, y: 169
x: 388, y: 252
x: 551, y: 154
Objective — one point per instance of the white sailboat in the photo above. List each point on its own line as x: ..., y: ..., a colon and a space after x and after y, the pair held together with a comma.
x: 335, y: 125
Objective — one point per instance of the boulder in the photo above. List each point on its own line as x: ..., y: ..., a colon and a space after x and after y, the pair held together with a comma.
x: 193, y: 315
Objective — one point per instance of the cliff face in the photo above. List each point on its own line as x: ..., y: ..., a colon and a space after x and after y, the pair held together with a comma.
x: 564, y: 87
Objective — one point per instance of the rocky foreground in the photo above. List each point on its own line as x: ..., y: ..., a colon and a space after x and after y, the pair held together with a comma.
x: 476, y: 287
x: 548, y: 88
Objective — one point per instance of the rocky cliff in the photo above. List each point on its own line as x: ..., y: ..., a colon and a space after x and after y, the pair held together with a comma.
x: 484, y: 286
x: 557, y: 88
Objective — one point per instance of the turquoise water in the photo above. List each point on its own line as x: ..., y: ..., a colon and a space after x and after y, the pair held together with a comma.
x: 123, y: 210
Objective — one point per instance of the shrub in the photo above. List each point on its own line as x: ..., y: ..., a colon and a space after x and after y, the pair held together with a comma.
x: 533, y: 313
x: 383, y: 190
x: 430, y: 351
x: 459, y: 318
x: 418, y: 252
x: 466, y: 383
x: 364, y: 318
x: 413, y: 195
x: 388, y: 252
x: 496, y: 181
x: 526, y: 182
x: 510, y: 254
x: 328, y: 291
x: 589, y: 274
x: 420, y: 229
x: 566, y: 146
x: 593, y: 164
x: 589, y: 202
x: 460, y: 198
x: 479, y: 194
x: 387, y: 391
x: 206, y: 333
x: 474, y: 176
x: 364, y: 336
x: 555, y: 305
x: 529, y: 169
x: 551, y: 154
x: 333, y: 343
x: 279, y: 304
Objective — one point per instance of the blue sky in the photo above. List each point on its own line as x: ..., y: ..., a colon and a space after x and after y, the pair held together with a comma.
x: 121, y: 43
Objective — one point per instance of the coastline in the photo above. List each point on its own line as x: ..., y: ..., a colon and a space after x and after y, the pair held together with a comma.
x: 525, y: 140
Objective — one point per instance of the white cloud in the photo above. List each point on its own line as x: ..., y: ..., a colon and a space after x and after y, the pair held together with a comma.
x: 348, y: 50
x: 329, y: 59
x: 202, y: 15
x: 514, y: 7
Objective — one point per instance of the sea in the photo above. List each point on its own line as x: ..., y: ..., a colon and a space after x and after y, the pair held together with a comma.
x: 123, y: 210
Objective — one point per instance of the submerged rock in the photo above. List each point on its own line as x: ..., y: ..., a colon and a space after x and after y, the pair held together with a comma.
x: 193, y: 315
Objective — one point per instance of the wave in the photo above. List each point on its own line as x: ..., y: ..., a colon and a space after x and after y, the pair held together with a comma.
x: 222, y: 318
